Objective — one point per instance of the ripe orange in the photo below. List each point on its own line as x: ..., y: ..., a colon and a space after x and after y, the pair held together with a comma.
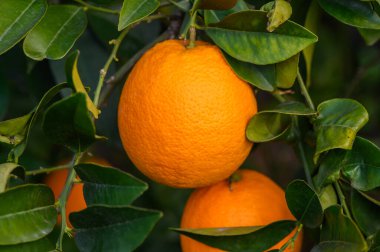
x: 183, y: 113
x: 75, y: 202
x: 252, y: 200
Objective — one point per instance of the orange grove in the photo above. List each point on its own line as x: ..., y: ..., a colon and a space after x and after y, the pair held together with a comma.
x: 252, y: 200
x: 183, y: 113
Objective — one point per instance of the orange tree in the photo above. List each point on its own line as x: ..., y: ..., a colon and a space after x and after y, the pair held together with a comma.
x: 267, y: 44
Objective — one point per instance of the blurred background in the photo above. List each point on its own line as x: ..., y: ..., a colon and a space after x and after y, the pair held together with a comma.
x: 343, y: 66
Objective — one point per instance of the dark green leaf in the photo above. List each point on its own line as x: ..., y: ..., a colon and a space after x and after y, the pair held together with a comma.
x: 74, y: 80
x: 216, y: 4
x: 336, y: 246
x: 57, y: 32
x: 109, y: 186
x: 370, y: 36
x: 376, y: 243
x: 4, y: 97
x: 281, y: 11
x: 242, y: 34
x: 102, y: 228
x: 286, y: 72
x: 352, y: 12
x: 214, y: 16
x: 365, y: 212
x: 6, y: 170
x: 18, y: 17
x: 241, y: 239
x: 304, y: 203
x: 30, y: 217
x: 362, y: 165
x: 339, y: 228
x: 40, y: 245
x: 337, y: 123
x: 329, y: 170
x: 135, y: 10
x: 13, y: 131
x: 68, y: 122
x: 261, y: 77
x: 264, y: 127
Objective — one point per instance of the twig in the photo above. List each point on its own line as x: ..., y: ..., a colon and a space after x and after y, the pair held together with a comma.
x: 293, y: 239
x: 96, y: 8
x: 342, y: 199
x: 304, y: 91
x: 46, y: 170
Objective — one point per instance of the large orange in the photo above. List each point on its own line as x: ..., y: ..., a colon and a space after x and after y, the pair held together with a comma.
x: 183, y: 113
x: 75, y: 202
x: 252, y: 200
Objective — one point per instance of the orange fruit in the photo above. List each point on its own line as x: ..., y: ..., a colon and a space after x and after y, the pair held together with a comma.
x: 75, y: 202
x: 183, y: 113
x: 252, y: 200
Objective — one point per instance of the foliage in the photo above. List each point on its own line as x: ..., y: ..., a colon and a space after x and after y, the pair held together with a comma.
x: 269, y: 44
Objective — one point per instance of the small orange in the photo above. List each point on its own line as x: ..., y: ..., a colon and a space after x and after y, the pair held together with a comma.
x: 75, y: 202
x: 252, y: 200
x: 183, y: 113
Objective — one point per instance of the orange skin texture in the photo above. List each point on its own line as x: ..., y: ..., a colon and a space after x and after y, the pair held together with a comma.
x: 254, y: 200
x: 75, y: 202
x: 183, y: 113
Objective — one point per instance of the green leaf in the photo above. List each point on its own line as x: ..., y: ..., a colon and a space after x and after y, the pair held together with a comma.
x: 335, y: 246
x: 270, y: 124
x: 73, y: 78
x: 19, y: 149
x: 242, y: 239
x: 329, y: 170
x: 304, y: 203
x: 68, y: 122
x: 311, y: 23
x: 103, y: 228
x: 135, y: 10
x: 337, y: 123
x: 362, y: 165
x: 328, y: 197
x: 18, y: 17
x: 281, y: 11
x: 242, y: 34
x: 216, y: 4
x: 365, y: 212
x: 370, y: 36
x: 376, y: 243
x: 261, y: 77
x: 30, y: 217
x: 108, y: 186
x: 352, y: 12
x: 6, y: 170
x: 57, y: 32
x: 13, y: 131
x: 183, y: 5
x: 43, y: 244
x: 286, y: 72
x: 214, y: 16
x: 339, y: 228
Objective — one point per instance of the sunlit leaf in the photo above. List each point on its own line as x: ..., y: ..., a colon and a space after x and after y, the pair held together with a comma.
x: 17, y: 18
x: 370, y: 36
x: 286, y: 72
x: 6, y: 170
x: 56, y: 33
x: 13, y: 131
x: 281, y: 11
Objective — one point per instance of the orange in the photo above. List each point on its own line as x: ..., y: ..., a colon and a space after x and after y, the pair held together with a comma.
x: 252, y: 200
x: 182, y: 115
x: 75, y: 202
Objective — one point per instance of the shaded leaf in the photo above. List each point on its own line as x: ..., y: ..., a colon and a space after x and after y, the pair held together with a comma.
x: 57, y: 32
x: 103, y: 228
x: 108, y: 186
x: 6, y: 170
x: 352, y: 12
x: 30, y: 217
x: 241, y: 239
x: 216, y: 4
x: 304, y: 203
x: 281, y: 11
x: 376, y: 243
x: 339, y: 228
x: 18, y: 17
x: 329, y: 169
x: 261, y: 77
x: 286, y: 72
x: 214, y: 16
x: 43, y: 244
x: 365, y: 212
x: 370, y: 36
x: 242, y: 34
x: 337, y: 123
x: 135, y: 10
x: 73, y: 78
x: 68, y: 122
x: 335, y: 246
